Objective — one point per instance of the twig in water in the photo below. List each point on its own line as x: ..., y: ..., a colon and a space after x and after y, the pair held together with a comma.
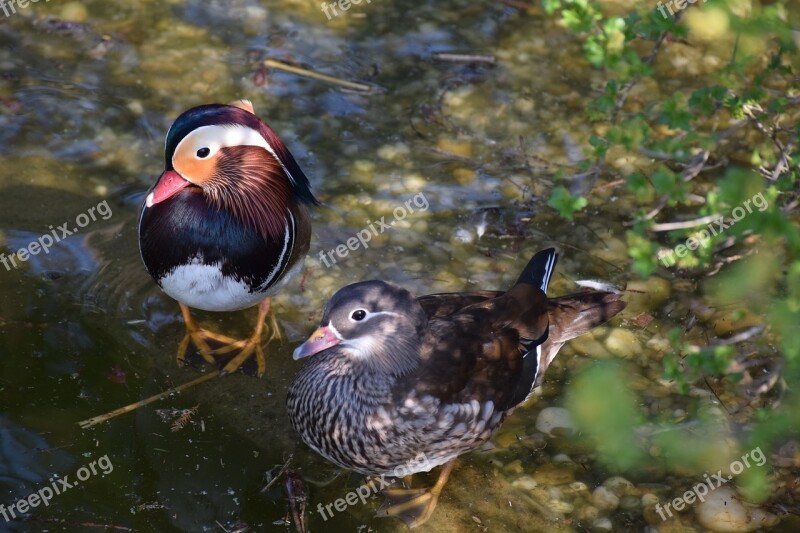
x: 89, y: 422
x: 278, y: 475
x: 467, y: 58
x: 362, y: 87
x: 686, y: 224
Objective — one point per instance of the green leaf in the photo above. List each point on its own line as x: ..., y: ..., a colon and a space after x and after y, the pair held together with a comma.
x: 643, y: 252
x: 550, y: 6
x: 668, y: 182
x: 565, y: 203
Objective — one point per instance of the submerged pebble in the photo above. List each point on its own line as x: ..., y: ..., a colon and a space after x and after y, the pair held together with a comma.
x: 619, y: 486
x: 602, y: 524
x: 723, y: 511
x: 525, y: 483
x: 623, y: 343
x: 514, y: 467
x: 646, y: 295
x: 555, y: 421
x: 586, y: 345
x: 554, y: 474
x: 604, y: 499
x: 629, y: 502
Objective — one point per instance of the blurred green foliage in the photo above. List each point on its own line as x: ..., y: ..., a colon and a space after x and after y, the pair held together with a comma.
x: 732, y: 141
x: 611, y: 422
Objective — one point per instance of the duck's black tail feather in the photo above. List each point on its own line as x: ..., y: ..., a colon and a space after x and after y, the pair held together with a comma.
x: 540, y: 269
x: 568, y: 316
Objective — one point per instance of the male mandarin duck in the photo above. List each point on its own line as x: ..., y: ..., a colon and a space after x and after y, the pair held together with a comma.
x: 394, y: 378
x: 226, y: 225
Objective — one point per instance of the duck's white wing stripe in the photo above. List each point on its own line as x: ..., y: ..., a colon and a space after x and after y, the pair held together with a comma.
x: 283, y: 259
x: 548, y: 271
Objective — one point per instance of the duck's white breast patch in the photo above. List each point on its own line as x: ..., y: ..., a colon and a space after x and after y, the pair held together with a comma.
x: 204, y: 287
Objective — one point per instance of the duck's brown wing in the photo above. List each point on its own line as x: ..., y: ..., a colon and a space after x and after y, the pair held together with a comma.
x: 477, y: 353
x: 496, y: 346
x: 447, y: 303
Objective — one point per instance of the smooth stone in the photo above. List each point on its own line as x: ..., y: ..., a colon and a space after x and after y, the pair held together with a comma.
x: 619, y: 486
x: 728, y: 322
x: 525, y: 483
x: 514, y: 467
x: 623, y: 343
x: 577, y: 487
x: 604, y: 499
x: 464, y: 176
x: 555, y: 421
x: 453, y: 146
x: 724, y: 512
x: 589, y: 347
x: 535, y: 442
x: 554, y: 474
x: 649, y: 499
x: 414, y: 183
x: 614, y: 250
x: 602, y: 524
x: 561, y: 507
x: 659, y: 344
x: 395, y: 151
x: 463, y: 235
x: 495, y: 462
x: 629, y: 502
x: 652, y: 516
x: 75, y: 12
x: 588, y: 512
x: 646, y: 295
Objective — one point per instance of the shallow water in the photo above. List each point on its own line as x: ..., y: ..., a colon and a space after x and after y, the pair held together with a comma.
x: 85, y: 101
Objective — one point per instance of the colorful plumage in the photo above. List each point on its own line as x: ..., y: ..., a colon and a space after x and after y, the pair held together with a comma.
x: 226, y: 225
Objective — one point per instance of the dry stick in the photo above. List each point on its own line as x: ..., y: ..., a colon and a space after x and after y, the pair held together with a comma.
x: 283, y: 469
x: 686, y: 224
x: 469, y: 58
x: 272, y: 63
x: 132, y: 407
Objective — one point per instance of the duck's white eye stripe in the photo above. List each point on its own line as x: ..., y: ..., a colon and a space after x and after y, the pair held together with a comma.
x: 379, y: 313
x: 223, y: 136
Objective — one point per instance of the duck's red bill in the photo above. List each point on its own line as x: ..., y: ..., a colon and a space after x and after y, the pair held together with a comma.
x: 169, y: 184
x: 320, y: 340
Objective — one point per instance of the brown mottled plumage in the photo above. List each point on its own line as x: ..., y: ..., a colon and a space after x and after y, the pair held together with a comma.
x: 393, y: 378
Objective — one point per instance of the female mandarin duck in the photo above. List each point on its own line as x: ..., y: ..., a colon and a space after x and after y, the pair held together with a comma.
x: 394, y: 378
x: 226, y: 225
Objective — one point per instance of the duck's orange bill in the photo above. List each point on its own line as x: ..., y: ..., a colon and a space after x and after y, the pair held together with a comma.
x: 320, y: 340
x: 169, y: 184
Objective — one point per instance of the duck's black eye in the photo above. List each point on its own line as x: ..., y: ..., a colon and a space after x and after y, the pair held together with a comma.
x: 358, y: 315
x: 203, y: 152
